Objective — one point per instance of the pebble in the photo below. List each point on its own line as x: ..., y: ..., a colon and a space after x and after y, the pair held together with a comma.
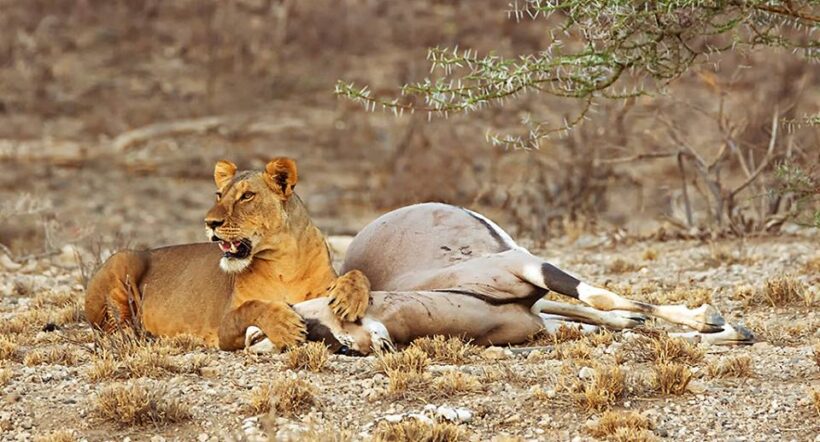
x: 586, y: 373
x: 494, y: 353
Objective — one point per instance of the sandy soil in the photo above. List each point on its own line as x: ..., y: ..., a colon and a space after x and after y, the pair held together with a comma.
x: 772, y: 404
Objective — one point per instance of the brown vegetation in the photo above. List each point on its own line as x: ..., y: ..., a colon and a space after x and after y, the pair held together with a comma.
x: 139, y: 403
x: 732, y: 367
x: 416, y: 430
x: 311, y: 356
x: 283, y: 396
x: 622, y: 426
x: 606, y: 387
x: 671, y: 378
x: 445, y: 350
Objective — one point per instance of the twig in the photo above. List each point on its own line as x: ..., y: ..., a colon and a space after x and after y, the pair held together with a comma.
x: 687, y: 204
x: 639, y: 157
x: 765, y: 162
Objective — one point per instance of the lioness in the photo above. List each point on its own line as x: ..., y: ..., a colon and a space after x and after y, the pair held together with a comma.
x: 269, y: 254
x: 439, y: 269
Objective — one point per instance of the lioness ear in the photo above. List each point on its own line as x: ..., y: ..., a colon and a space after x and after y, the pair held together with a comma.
x: 281, y: 175
x: 223, y: 173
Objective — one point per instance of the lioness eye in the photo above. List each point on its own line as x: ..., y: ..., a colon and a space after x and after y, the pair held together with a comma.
x: 247, y: 195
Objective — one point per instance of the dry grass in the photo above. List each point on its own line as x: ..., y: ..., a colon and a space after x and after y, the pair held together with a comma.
x: 817, y: 354
x: 671, y: 378
x: 5, y: 376
x: 604, y: 389
x: 814, y: 394
x: 650, y: 254
x: 691, y: 297
x: 57, y: 436
x: 14, y: 326
x: 183, y: 343
x: 125, y: 355
x: 283, y: 396
x: 786, y: 291
x: 662, y: 348
x: 732, y: 367
x: 312, y: 356
x: 622, y: 426
x: 57, y: 355
x: 138, y: 404
x: 446, y: 350
x: 454, y: 382
x: 721, y: 255
x: 412, y: 360
x: 8, y: 348
x: 415, y: 430
x: 622, y: 266
x: 565, y: 333
x: 573, y: 350
x: 812, y: 266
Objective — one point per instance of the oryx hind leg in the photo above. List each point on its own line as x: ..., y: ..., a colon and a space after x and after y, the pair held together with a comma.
x: 617, y: 320
x: 542, y: 274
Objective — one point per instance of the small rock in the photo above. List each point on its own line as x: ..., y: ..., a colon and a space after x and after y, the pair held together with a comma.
x: 157, y: 438
x: 209, y: 372
x: 586, y: 373
x: 696, y: 387
x: 493, y: 354
x: 202, y: 437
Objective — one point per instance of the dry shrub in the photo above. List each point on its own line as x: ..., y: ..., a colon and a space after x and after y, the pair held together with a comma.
x: 58, y: 355
x: 412, y: 360
x: 14, y: 326
x: 602, y: 338
x: 691, y: 297
x: 815, y: 399
x: 416, y: 430
x: 138, y: 404
x: 619, y: 425
x: 57, y: 436
x: 283, y: 396
x: 650, y: 254
x: 312, y: 356
x: 183, y: 343
x: 671, y: 378
x: 785, y: 291
x: 8, y: 348
x: 453, y: 382
x: 604, y: 389
x: 622, y: 266
x: 721, y: 255
x: 662, y: 348
x: 126, y: 354
x: 5, y: 376
x: 812, y: 266
x: 573, y: 350
x: 732, y: 367
x: 446, y: 350
x: 564, y: 333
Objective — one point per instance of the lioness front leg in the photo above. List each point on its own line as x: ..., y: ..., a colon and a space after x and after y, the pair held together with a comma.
x: 349, y: 296
x: 280, y: 323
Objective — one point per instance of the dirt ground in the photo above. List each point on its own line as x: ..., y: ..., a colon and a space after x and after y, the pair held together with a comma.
x: 246, y: 80
x: 771, y: 402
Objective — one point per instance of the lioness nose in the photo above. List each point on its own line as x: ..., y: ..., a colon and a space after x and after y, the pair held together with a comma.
x: 214, y: 223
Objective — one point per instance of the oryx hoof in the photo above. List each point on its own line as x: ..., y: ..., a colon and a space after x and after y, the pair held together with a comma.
x: 708, y: 319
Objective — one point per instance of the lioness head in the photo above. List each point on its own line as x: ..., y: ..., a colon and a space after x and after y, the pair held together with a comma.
x: 250, y: 210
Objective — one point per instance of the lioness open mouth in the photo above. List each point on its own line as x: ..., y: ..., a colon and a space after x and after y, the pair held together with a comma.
x: 237, y: 249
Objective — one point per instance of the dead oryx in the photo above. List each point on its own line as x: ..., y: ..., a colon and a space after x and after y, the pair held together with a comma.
x: 436, y: 269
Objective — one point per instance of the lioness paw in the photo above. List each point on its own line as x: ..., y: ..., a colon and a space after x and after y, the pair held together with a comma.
x: 289, y: 329
x: 350, y: 296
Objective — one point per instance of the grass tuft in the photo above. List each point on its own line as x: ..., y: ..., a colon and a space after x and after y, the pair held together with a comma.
x: 446, y: 350
x: 284, y: 396
x: 312, y: 356
x: 454, y: 382
x: 622, y: 266
x: 57, y: 436
x: 57, y: 355
x: 671, y: 378
x: 416, y: 430
x: 603, y: 390
x: 622, y: 426
x: 732, y: 367
x: 5, y: 376
x: 139, y: 404
x: 412, y: 360
x: 662, y: 348
x: 814, y: 394
x: 8, y: 348
x: 785, y: 291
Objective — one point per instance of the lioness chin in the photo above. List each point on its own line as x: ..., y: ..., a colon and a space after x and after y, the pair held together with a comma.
x: 268, y: 254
